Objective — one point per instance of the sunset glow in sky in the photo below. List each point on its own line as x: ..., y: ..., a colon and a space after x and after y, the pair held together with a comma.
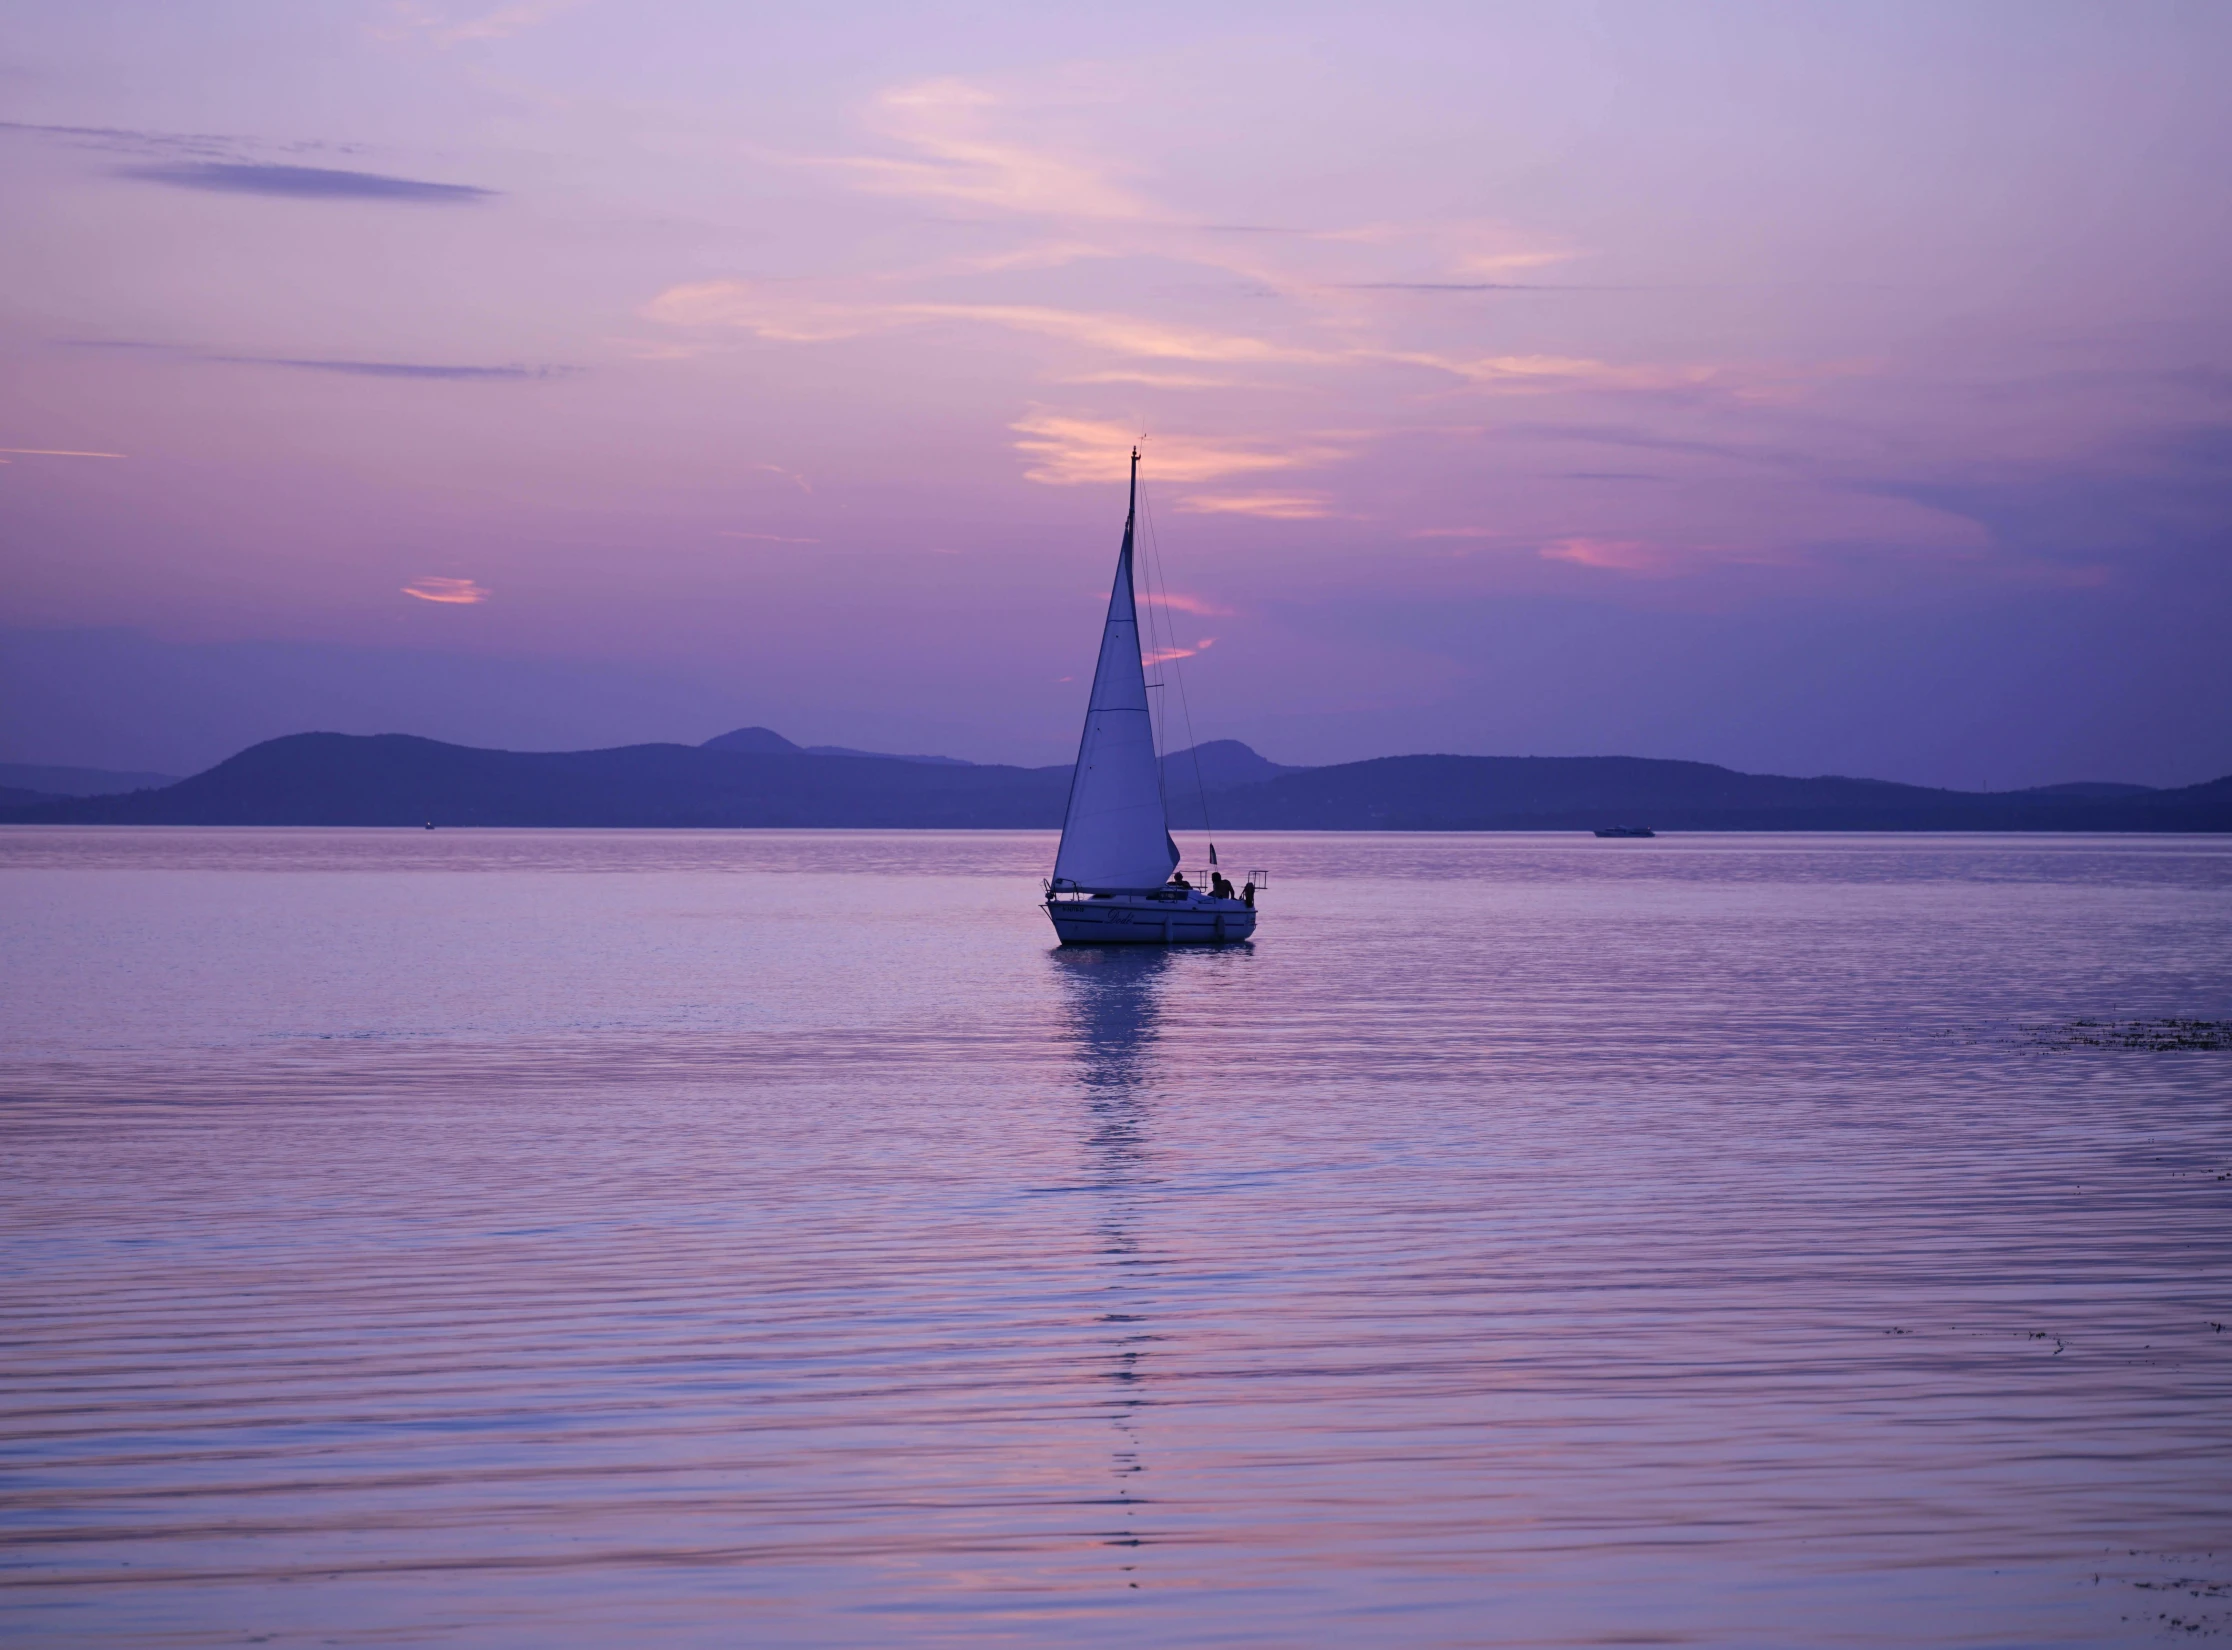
x: 1807, y: 387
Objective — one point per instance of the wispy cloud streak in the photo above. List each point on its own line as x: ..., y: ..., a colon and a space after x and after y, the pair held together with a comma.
x: 306, y: 183
x: 462, y: 372
x: 395, y: 369
x: 448, y: 592
x: 788, y: 315
x: 134, y: 140
x: 946, y: 122
x: 1074, y: 451
x: 1268, y: 506
x: 791, y: 314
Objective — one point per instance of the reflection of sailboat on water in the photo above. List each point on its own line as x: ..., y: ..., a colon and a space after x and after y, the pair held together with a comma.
x: 1113, y: 877
x: 1114, y: 1004
x: 1114, y: 1007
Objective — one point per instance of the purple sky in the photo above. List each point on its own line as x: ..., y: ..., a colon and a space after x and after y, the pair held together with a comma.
x: 1805, y: 387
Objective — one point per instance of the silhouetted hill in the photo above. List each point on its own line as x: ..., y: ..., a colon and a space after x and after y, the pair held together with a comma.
x: 2084, y: 788
x: 1225, y: 763
x: 1490, y: 793
x: 767, y: 742
x: 888, y: 756
x: 61, y: 781
x: 394, y: 779
x: 1220, y: 765
x: 2212, y: 797
x: 1220, y: 762
x: 752, y: 742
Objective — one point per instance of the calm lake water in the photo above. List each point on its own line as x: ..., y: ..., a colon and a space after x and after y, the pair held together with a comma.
x: 591, y: 1239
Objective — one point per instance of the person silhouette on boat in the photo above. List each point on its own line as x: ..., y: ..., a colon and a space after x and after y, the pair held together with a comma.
x: 1247, y: 896
x: 1178, y: 880
x: 1219, y: 885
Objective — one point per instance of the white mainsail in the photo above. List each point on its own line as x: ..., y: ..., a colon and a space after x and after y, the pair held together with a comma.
x: 1116, y: 837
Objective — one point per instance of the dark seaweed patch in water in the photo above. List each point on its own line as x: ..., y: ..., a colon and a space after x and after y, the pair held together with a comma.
x: 2143, y: 1034
x: 2210, y: 1620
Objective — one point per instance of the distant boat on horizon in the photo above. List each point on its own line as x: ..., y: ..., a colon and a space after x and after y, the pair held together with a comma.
x: 1627, y: 830
x: 1116, y: 879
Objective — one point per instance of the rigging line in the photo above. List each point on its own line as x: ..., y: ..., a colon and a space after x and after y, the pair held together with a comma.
x: 1170, y: 631
x: 1144, y: 572
x: 1153, y: 645
x: 1185, y: 705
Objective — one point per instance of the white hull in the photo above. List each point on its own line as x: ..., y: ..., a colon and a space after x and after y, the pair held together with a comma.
x: 1142, y: 919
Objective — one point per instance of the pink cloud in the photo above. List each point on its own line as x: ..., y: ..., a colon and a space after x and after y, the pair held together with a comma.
x: 1269, y: 506
x: 455, y: 592
x: 1070, y: 451
x: 1619, y: 555
x: 1163, y: 655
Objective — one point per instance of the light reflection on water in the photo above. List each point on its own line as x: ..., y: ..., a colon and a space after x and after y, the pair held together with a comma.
x: 1112, y: 997
x: 701, y: 1238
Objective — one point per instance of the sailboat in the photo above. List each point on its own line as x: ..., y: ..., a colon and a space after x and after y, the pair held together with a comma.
x: 1116, y: 879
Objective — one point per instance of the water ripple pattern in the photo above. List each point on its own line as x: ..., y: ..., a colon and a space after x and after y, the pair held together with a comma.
x: 553, y: 1239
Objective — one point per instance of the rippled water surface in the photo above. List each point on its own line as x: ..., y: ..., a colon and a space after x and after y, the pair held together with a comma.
x: 580, y: 1239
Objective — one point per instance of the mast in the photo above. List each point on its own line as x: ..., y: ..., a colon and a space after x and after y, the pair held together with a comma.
x: 1115, y: 833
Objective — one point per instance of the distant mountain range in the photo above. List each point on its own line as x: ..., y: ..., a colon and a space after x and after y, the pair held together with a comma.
x: 767, y: 742
x: 755, y: 777
x: 1217, y: 763
x: 23, y: 783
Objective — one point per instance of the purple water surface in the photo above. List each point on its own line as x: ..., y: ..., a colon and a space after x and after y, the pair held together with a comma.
x: 582, y: 1239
